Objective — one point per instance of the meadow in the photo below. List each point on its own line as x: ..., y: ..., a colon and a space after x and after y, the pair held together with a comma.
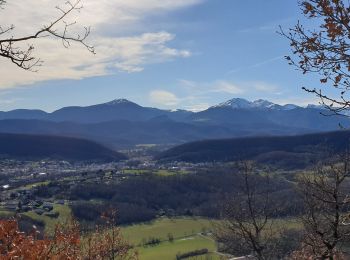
x: 156, y: 172
x: 50, y: 223
x: 188, y: 234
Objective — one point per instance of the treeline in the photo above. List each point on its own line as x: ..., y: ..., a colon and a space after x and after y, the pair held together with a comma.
x: 146, y: 197
x: 195, y: 253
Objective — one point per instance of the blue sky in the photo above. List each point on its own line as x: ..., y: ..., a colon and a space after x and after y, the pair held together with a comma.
x: 194, y: 54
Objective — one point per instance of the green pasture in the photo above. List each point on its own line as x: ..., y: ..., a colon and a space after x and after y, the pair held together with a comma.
x: 186, y: 234
x: 50, y: 223
x: 156, y: 172
x: 160, y: 228
x: 168, y: 250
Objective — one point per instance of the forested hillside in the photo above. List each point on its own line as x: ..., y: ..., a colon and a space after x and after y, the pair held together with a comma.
x: 41, y: 147
x: 290, y: 150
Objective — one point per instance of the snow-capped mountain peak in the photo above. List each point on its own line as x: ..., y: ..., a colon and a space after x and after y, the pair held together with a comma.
x: 260, y: 104
x: 316, y: 106
x: 290, y: 107
x: 238, y: 103
x: 118, y: 101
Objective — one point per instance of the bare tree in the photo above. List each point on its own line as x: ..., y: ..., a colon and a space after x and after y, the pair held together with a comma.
x: 248, y: 227
x: 325, y: 49
x: 107, y: 241
x: 59, y: 28
x: 326, y: 202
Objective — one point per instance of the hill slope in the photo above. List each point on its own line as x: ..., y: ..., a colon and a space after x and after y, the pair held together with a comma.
x: 41, y: 147
x: 290, y: 148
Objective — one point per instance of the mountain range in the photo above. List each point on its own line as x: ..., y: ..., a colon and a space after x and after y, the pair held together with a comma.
x: 119, y: 109
x: 123, y: 124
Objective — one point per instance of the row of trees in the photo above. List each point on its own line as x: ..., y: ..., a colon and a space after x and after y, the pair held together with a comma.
x: 250, y: 226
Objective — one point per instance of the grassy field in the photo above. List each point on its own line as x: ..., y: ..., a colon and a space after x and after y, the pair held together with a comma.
x: 5, y: 213
x: 288, y: 223
x: 135, y: 171
x: 186, y: 237
x: 50, y: 223
x: 29, y: 186
x: 160, y: 228
x: 168, y: 250
x: 157, y: 172
x: 170, y: 172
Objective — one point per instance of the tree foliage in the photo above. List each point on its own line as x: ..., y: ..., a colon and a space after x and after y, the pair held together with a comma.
x: 324, y: 50
x: 66, y: 243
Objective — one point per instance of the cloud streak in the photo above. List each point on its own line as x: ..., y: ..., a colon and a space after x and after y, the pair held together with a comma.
x: 257, y: 65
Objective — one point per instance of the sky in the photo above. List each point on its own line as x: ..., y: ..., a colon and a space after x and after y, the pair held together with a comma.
x: 170, y: 54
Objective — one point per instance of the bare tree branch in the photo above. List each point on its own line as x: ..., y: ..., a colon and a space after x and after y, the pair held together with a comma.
x: 248, y: 226
x: 325, y: 50
x: 24, y: 58
x: 326, y: 202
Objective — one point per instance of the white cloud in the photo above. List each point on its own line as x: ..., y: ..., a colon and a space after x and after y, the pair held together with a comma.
x: 263, y: 87
x: 163, y: 98
x: 197, y: 96
x: 97, y: 13
x: 133, y: 52
x: 9, y: 101
x: 229, y: 87
x: 107, y: 18
x: 300, y: 101
x: 226, y: 87
x: 221, y: 86
x: 240, y: 88
x: 197, y: 107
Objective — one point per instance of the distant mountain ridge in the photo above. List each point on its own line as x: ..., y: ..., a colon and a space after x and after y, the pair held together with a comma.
x: 120, y: 109
x: 240, y: 103
x: 121, y: 123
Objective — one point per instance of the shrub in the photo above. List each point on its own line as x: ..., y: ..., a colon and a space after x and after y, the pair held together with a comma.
x: 192, y: 254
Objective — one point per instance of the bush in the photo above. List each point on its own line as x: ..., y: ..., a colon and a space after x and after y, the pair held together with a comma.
x: 170, y: 237
x: 152, y: 241
x: 64, y: 244
x: 192, y: 254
